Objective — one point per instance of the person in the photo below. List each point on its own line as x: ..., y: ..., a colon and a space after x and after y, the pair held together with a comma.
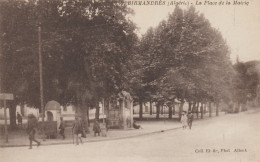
x: 77, y: 130
x: 136, y: 126
x: 19, y: 119
x: 31, y: 129
x: 184, y: 120
x: 62, y: 127
x: 190, y: 119
x: 96, y: 128
x: 83, y: 131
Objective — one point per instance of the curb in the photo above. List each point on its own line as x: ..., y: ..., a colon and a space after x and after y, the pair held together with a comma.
x: 97, y: 140
x: 111, y: 139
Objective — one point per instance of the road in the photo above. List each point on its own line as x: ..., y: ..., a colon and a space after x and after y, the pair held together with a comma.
x: 209, y: 140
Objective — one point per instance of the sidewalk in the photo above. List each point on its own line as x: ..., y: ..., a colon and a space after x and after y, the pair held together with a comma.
x: 20, y: 138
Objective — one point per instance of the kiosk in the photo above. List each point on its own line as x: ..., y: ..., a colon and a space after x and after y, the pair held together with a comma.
x: 120, y: 111
x: 51, y: 125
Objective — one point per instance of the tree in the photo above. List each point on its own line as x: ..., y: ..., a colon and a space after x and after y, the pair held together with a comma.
x: 185, y: 59
x: 80, y: 66
x: 245, y: 82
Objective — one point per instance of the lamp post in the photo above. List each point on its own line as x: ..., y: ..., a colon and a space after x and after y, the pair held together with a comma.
x: 40, y: 70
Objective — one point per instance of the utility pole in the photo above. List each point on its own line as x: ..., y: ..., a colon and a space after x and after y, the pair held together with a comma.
x: 40, y: 70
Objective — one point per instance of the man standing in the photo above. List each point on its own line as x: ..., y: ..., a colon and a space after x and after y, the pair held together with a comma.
x: 62, y: 127
x: 190, y: 119
x: 96, y: 128
x: 31, y: 129
x: 77, y: 130
x: 19, y: 119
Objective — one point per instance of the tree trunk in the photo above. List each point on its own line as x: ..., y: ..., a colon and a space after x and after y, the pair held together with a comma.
x: 193, y: 107
x: 88, y: 116
x: 97, y: 112
x: 108, y: 108
x: 210, y: 109
x: 180, y: 109
x: 12, y: 114
x: 151, y: 108
x: 238, y: 107
x: 170, y: 112
x: 140, y: 109
x: 173, y: 109
x: 217, y: 108
x: 84, y: 113
x: 22, y: 109
x: 204, y: 108
x: 157, y: 111
x: 190, y: 106
x: 197, y: 110
x: 106, y: 105
x: 78, y: 102
x: 201, y: 111
x: 182, y: 103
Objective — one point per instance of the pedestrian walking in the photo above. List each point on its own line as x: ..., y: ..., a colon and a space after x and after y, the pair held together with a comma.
x: 77, y: 130
x: 19, y: 119
x: 62, y: 128
x: 96, y: 128
x: 184, y: 120
x: 190, y: 119
x: 31, y: 129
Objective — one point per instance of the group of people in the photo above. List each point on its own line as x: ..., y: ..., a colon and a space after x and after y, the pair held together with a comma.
x: 186, y: 119
x: 78, y: 130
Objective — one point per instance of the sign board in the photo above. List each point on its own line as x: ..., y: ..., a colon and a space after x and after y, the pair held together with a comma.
x: 6, y: 96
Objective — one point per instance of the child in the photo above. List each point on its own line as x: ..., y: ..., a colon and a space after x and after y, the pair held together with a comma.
x: 184, y: 120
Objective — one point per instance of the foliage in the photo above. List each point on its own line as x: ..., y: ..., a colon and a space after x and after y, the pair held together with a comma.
x: 185, y: 58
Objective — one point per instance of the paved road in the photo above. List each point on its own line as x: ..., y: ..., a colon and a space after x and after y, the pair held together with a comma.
x: 223, y: 134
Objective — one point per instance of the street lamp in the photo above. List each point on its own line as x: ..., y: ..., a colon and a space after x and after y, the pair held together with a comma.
x: 40, y: 70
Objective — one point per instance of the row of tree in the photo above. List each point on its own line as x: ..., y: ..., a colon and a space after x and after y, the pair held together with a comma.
x: 91, y: 52
x: 183, y: 58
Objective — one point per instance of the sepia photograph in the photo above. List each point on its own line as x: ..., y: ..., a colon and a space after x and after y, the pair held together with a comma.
x: 129, y: 80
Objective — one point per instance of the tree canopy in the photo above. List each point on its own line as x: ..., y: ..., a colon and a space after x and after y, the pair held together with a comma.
x: 185, y: 58
x: 91, y: 52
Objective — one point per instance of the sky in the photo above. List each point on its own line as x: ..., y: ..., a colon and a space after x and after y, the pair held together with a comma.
x: 239, y: 24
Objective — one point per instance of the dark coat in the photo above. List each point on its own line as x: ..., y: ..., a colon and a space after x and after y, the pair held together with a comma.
x: 19, y: 118
x: 190, y: 117
x: 77, y: 127
x: 32, y: 124
x: 96, y: 127
x: 32, y: 132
